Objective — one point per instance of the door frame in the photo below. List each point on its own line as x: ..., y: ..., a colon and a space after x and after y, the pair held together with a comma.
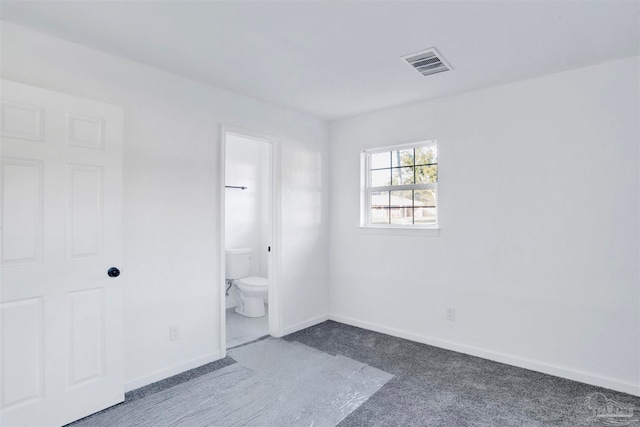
x: 274, y: 295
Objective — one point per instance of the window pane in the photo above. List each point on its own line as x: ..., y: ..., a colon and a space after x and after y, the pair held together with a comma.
x: 380, y: 160
x: 402, y: 158
x: 380, y: 177
x: 379, y: 215
x: 425, y: 197
x: 380, y: 199
x: 409, y: 168
x: 380, y: 207
x: 402, y: 215
x: 426, y: 174
x: 426, y: 155
x: 402, y: 198
x: 402, y: 176
x: 425, y: 216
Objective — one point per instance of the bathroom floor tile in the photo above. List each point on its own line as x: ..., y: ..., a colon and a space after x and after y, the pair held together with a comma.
x: 242, y: 329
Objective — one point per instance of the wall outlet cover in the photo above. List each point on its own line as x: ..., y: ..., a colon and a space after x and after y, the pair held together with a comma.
x: 451, y: 314
x: 174, y: 332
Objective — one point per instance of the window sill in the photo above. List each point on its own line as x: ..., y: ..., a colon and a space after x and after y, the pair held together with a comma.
x: 400, y: 231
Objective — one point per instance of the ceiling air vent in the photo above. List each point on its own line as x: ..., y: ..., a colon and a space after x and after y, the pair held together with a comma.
x: 428, y: 62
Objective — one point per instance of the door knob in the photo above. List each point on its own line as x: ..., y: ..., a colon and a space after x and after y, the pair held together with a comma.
x: 113, y: 272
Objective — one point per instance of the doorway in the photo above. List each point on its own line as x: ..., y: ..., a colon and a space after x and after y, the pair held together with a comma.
x: 249, y: 222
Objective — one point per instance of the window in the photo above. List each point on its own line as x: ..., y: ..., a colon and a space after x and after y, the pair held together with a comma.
x: 400, y: 186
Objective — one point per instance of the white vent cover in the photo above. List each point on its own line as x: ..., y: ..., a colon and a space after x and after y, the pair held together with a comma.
x: 428, y: 62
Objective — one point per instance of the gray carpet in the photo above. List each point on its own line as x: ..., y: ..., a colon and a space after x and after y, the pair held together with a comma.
x: 423, y: 386
x: 436, y: 387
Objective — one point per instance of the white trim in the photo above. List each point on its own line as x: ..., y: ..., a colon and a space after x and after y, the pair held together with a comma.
x: 274, y: 295
x: 221, y: 241
x: 169, y: 372
x: 364, y: 194
x: 275, y: 290
x: 404, y: 187
x: 399, y: 231
x: 306, y: 324
x: 580, y: 376
x: 415, y: 144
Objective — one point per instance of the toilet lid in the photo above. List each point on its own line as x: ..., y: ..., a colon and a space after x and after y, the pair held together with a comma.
x: 254, y: 282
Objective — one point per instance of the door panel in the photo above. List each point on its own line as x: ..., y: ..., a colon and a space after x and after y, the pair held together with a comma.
x: 61, y: 315
x: 86, y: 343
x: 22, y: 355
x: 85, y: 222
x: 22, y: 121
x: 85, y: 131
x: 21, y: 211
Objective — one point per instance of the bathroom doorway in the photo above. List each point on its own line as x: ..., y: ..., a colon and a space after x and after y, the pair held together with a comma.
x: 249, y: 222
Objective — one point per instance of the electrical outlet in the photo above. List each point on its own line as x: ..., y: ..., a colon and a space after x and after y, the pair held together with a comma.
x: 174, y: 332
x: 451, y: 314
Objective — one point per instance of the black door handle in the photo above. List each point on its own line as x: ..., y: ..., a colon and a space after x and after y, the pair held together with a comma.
x: 113, y: 272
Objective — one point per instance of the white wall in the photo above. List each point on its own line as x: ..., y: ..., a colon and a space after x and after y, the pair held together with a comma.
x: 246, y: 211
x: 172, y: 137
x: 538, y: 250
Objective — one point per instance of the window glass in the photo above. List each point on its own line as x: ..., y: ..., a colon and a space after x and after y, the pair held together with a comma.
x: 414, y: 171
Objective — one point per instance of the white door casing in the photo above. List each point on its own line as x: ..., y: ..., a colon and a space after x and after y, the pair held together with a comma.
x: 273, y: 258
x: 60, y: 231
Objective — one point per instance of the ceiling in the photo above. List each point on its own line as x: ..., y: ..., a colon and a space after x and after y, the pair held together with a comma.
x: 335, y: 59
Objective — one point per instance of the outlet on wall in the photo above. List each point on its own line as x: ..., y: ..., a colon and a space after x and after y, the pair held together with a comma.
x: 174, y: 332
x: 451, y: 313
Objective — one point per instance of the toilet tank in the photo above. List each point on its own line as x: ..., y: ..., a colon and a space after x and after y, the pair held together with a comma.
x: 237, y: 263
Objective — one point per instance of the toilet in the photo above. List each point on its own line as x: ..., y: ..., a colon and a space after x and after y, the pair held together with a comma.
x: 251, y: 290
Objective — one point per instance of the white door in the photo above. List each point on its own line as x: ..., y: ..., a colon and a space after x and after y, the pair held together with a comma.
x: 61, y: 314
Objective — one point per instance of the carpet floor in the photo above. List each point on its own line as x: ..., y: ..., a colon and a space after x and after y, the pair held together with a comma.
x: 333, y: 373
x: 437, y: 387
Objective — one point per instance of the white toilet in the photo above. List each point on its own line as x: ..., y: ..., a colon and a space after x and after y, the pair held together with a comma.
x: 251, y: 290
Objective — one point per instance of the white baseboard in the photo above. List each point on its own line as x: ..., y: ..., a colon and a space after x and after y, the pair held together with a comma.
x: 302, y: 325
x: 169, y: 372
x: 633, y: 389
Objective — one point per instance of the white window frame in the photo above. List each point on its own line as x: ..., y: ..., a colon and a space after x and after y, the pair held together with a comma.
x: 367, y: 189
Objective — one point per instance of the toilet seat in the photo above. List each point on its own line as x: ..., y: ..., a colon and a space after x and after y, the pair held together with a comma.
x: 254, y: 282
